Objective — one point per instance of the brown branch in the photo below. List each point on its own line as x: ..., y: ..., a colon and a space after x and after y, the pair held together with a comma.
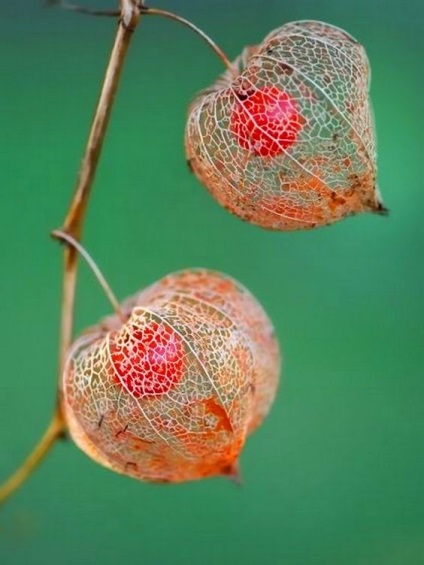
x: 53, y: 432
x: 75, y: 216
x: 129, y: 18
x: 82, y: 10
x: 130, y: 13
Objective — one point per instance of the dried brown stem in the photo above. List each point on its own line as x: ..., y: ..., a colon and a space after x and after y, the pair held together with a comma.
x: 129, y: 18
x: 54, y: 431
x: 66, y: 237
x: 148, y: 11
x: 75, y: 216
x: 82, y: 10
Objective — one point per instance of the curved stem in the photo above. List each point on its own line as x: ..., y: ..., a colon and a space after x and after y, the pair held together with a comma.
x: 63, y: 236
x: 54, y: 431
x: 129, y: 17
x: 146, y: 10
x: 75, y: 216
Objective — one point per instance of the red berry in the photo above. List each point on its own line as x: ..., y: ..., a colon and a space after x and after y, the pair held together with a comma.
x: 148, y: 361
x: 266, y: 121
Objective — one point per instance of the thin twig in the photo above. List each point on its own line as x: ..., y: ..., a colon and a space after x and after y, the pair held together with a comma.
x: 53, y: 432
x: 63, y: 236
x: 74, y: 219
x: 148, y: 11
x: 130, y: 12
x: 130, y: 16
x: 82, y: 10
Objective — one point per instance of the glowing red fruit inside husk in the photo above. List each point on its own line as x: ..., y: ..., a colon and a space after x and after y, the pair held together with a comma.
x: 148, y: 362
x: 266, y: 121
x: 172, y: 393
x: 285, y: 138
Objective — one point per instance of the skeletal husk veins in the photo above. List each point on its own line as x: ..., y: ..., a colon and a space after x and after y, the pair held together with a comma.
x: 289, y: 143
x: 172, y: 394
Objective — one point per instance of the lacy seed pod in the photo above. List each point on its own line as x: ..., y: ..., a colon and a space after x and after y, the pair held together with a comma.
x: 171, y: 394
x: 289, y: 142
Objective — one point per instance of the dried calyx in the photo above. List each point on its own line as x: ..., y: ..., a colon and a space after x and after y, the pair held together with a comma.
x: 171, y: 394
x: 289, y: 143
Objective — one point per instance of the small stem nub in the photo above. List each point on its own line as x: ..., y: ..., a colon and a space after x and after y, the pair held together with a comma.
x: 63, y: 236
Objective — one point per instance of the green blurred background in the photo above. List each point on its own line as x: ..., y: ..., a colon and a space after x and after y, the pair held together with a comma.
x: 335, y: 476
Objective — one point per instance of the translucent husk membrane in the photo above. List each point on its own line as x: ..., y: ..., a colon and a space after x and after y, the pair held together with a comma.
x: 289, y: 143
x: 172, y: 394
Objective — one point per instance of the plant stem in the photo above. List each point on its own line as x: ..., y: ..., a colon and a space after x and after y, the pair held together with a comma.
x: 53, y: 432
x: 65, y: 237
x: 82, y: 10
x: 148, y: 11
x: 75, y: 216
x: 130, y: 16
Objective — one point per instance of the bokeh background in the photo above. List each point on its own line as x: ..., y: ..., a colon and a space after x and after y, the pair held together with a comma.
x: 335, y: 476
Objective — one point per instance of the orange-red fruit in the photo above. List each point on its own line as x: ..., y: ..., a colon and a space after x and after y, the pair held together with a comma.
x: 171, y: 394
x: 147, y: 362
x: 266, y: 121
x: 286, y: 140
